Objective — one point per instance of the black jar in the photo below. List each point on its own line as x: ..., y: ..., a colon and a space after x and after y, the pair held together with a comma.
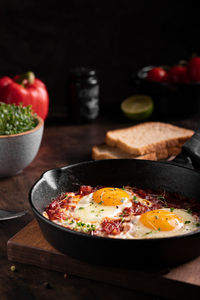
x: 83, y: 95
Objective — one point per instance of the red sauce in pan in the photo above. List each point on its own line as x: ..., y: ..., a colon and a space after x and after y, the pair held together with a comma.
x: 113, y: 227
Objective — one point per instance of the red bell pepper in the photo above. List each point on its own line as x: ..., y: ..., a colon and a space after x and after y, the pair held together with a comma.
x: 25, y: 89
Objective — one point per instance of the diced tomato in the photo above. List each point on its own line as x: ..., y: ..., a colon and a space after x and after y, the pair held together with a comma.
x: 112, y: 226
x: 136, y: 209
x: 53, y: 210
x: 85, y: 190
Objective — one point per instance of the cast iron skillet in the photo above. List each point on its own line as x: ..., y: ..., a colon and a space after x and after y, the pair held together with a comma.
x: 180, y: 175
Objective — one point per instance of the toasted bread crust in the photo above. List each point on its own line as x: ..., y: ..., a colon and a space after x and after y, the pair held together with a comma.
x: 148, y: 137
x: 104, y: 151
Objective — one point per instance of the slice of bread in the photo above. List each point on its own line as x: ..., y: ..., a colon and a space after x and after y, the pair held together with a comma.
x: 104, y: 151
x: 148, y: 137
x: 107, y: 152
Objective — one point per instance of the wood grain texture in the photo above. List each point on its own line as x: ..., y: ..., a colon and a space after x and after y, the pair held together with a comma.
x: 29, y: 246
x: 61, y: 145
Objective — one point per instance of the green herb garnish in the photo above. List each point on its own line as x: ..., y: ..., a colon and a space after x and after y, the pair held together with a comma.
x: 85, y: 227
x: 187, y: 222
x: 80, y: 224
x: 171, y: 209
x: 160, y: 197
x: 163, y: 200
x: 198, y: 224
x: 189, y: 211
x: 81, y: 207
x: 91, y: 228
x: 148, y: 232
x: 16, y: 119
x: 135, y: 199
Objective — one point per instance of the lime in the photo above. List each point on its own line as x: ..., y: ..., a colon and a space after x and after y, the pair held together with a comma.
x: 138, y: 107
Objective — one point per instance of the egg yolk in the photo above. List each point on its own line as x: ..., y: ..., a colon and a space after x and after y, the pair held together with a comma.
x: 161, y: 220
x: 110, y: 196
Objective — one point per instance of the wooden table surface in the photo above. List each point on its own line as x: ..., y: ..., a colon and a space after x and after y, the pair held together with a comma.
x: 62, y: 144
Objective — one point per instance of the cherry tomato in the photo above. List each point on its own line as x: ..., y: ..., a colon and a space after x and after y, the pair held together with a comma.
x: 194, y: 69
x: 178, y: 74
x: 157, y: 74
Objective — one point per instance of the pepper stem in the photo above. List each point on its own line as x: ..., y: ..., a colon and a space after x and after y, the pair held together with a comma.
x: 29, y: 76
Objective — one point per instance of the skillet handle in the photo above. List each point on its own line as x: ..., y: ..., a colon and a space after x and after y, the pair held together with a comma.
x: 190, y: 155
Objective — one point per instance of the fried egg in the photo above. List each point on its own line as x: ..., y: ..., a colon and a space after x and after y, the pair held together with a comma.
x: 121, y: 213
x: 163, y: 223
x: 104, y: 203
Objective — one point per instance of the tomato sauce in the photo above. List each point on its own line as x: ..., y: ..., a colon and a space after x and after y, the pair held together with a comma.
x: 152, y: 201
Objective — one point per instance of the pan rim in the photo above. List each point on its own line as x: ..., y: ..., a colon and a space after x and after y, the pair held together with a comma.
x: 87, y: 236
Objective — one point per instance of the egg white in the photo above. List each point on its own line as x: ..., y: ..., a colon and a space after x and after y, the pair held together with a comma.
x: 138, y: 230
x: 88, y: 211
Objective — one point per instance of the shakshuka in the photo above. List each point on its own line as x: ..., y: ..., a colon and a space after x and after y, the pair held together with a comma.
x: 126, y: 212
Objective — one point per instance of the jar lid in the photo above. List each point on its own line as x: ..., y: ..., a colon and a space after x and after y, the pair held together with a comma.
x: 82, y: 72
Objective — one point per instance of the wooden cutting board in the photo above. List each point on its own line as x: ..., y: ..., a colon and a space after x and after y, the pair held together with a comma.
x: 30, y: 247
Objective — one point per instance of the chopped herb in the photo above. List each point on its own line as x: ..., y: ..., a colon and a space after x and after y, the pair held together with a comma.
x: 198, y: 224
x: 72, y: 221
x: 81, y: 207
x: 80, y: 224
x: 159, y: 229
x: 160, y: 197
x: 135, y: 199
x: 123, y: 188
x: 189, y: 211
x: 187, y: 222
x: 85, y: 227
x: 92, y: 228
x: 148, y: 232
x: 100, y: 202
x: 171, y: 209
x: 101, y: 209
x: 163, y: 200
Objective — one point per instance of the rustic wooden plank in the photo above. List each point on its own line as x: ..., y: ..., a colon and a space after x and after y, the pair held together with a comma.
x: 29, y: 246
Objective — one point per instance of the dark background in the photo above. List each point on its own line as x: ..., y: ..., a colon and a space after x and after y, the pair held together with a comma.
x: 115, y: 37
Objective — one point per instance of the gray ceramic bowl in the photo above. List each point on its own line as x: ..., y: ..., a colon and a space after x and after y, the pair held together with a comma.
x: 17, y: 151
